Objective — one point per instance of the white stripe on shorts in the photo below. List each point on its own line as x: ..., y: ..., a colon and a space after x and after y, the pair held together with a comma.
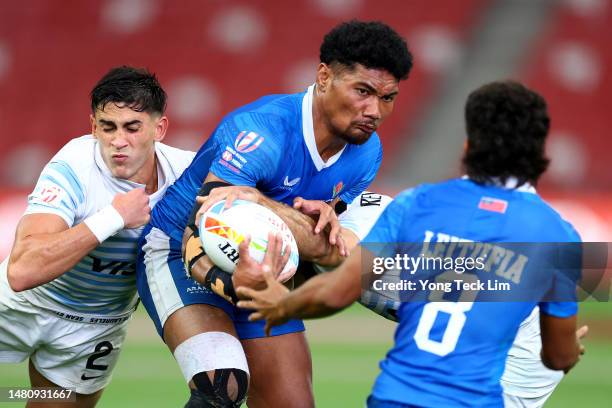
x: 165, y: 296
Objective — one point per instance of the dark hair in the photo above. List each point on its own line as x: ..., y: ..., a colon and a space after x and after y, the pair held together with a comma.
x: 507, y: 125
x: 371, y: 44
x: 134, y: 87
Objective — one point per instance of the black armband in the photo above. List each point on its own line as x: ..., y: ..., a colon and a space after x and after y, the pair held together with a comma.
x: 221, y: 283
x: 193, y: 251
x: 340, y: 207
x: 204, y: 191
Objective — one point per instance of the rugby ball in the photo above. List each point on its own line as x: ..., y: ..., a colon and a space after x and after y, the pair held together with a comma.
x: 223, y: 229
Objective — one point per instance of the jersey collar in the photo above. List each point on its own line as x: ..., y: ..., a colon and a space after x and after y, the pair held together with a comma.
x: 511, y: 184
x: 308, y: 132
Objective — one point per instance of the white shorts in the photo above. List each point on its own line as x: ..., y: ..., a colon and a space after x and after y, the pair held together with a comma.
x: 512, y: 401
x: 71, y: 354
x: 526, y: 381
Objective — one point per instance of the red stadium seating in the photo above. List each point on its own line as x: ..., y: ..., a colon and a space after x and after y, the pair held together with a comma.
x: 211, y: 56
x: 571, y: 65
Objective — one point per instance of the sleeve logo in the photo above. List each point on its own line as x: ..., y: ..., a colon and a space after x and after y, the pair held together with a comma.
x: 247, y: 142
x: 48, y: 194
x: 227, y: 156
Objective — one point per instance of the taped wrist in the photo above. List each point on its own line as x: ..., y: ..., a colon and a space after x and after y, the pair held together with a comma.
x: 221, y: 283
x: 193, y: 251
x: 193, y: 246
x: 105, y: 223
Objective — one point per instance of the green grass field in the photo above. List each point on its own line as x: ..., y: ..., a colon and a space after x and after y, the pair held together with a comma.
x: 346, y: 350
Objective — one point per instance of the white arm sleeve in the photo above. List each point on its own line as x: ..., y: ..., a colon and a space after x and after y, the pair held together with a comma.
x: 361, y: 215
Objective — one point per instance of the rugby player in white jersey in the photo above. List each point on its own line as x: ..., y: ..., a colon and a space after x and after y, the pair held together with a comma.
x: 68, y: 289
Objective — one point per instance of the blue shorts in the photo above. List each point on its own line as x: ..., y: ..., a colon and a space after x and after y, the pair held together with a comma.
x: 377, y: 403
x: 164, y: 288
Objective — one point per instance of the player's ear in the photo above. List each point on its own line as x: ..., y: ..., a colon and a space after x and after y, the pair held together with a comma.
x: 324, y: 76
x: 465, y: 145
x: 92, y: 120
x: 161, y: 127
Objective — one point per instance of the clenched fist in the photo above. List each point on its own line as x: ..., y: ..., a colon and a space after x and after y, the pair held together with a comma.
x: 133, y: 207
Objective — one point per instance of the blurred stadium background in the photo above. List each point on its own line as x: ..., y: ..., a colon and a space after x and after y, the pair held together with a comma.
x: 212, y: 56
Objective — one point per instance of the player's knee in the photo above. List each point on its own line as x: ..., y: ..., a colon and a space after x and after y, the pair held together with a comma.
x: 216, y: 364
x: 221, y: 388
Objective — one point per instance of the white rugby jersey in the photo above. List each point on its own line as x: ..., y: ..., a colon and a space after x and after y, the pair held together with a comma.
x: 75, y: 184
x: 359, y: 217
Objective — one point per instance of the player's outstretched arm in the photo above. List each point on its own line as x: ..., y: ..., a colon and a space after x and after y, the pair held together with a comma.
x: 320, y: 296
x: 45, y: 247
x: 561, y: 347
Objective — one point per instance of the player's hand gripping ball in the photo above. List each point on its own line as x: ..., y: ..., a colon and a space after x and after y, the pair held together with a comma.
x: 223, y: 229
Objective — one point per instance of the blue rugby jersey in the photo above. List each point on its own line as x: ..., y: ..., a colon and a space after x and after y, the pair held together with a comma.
x: 270, y: 144
x: 452, y: 354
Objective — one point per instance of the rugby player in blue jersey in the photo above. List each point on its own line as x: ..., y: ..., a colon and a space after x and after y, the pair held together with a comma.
x: 321, y: 145
x: 449, y: 353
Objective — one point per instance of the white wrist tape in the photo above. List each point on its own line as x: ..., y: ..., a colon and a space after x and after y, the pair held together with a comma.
x: 105, y: 223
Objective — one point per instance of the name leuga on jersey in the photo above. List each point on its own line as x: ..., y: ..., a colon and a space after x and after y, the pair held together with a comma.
x: 447, y: 263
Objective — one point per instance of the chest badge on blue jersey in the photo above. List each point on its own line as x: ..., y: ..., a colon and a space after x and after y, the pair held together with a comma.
x: 292, y: 182
x: 337, y: 189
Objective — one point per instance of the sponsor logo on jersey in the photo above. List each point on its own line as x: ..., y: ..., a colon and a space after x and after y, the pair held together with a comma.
x: 236, y: 154
x: 337, y: 189
x: 48, y: 194
x: 291, y: 183
x: 229, y: 166
x: 493, y: 204
x: 196, y: 289
x: 247, y: 142
x: 86, y: 377
x: 368, y: 199
x: 227, y: 156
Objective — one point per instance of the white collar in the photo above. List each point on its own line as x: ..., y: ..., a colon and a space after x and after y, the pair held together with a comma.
x: 308, y: 132
x: 511, y: 184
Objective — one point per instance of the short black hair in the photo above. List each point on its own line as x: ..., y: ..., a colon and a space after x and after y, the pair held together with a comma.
x: 507, y: 125
x: 134, y: 87
x: 372, y: 44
